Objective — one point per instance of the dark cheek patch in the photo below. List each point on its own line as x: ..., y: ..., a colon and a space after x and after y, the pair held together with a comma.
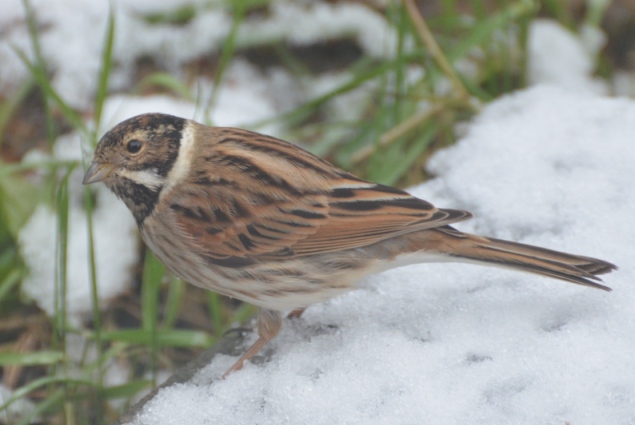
x: 140, y: 199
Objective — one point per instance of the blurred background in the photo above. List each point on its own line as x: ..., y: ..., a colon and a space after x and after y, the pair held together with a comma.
x: 89, y: 320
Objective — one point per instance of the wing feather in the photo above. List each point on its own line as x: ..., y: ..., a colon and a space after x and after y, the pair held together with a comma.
x: 253, y: 198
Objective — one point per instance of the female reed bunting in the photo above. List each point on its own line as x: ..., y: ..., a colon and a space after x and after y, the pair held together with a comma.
x: 262, y: 220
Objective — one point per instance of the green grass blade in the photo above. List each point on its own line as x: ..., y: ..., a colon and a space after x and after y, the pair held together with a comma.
x: 178, y: 16
x: 39, y: 383
x: 49, y: 92
x: 19, y: 199
x: 46, y: 165
x: 48, y: 404
x: 30, y: 359
x: 404, y: 160
x: 166, y: 81
x: 173, y: 302
x: 39, y: 73
x: 153, y: 272
x: 104, y: 73
x: 94, y: 287
x: 483, y: 30
x: 227, y: 52
x: 61, y: 255
x: 9, y: 106
x: 431, y: 44
x: 242, y: 314
x: 367, y: 74
x: 39, y: 67
x: 9, y: 282
x: 165, y: 338
x: 125, y: 391
x: 215, y: 307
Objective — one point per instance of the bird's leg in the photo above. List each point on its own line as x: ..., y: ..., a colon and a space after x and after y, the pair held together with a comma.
x: 295, y: 314
x: 269, y: 323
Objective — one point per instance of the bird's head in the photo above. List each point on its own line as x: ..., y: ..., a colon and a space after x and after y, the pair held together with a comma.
x: 134, y: 159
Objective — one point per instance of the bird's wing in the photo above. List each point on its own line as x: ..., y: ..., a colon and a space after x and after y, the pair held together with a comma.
x: 254, y: 197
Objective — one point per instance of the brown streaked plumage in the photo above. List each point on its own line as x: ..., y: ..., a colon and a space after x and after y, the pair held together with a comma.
x: 259, y: 219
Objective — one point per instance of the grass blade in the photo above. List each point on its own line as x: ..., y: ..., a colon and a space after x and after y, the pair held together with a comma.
x: 61, y: 255
x: 30, y: 359
x: 39, y: 383
x: 173, y: 302
x: 104, y: 73
x: 153, y: 272
x: 165, y: 338
x: 240, y: 7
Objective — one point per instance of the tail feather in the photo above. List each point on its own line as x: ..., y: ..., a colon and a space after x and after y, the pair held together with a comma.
x: 571, y: 268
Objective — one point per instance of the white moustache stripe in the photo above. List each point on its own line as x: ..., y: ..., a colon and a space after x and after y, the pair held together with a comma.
x: 149, y: 178
x: 181, y: 168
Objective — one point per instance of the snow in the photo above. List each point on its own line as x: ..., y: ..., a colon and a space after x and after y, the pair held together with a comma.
x: 311, y: 22
x: 559, y: 57
x: 19, y: 408
x: 243, y: 99
x: 452, y: 343
x: 76, y: 59
x: 114, y: 233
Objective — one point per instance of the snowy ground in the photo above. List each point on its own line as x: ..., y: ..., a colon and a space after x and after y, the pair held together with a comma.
x: 456, y: 344
x: 438, y: 344
x: 76, y: 59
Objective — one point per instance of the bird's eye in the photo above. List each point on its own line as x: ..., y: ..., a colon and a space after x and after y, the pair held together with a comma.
x: 134, y: 146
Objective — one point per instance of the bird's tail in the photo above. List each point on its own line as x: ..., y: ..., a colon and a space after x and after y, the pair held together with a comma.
x: 465, y: 247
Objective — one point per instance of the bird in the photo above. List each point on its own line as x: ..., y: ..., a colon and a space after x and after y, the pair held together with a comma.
x: 264, y: 221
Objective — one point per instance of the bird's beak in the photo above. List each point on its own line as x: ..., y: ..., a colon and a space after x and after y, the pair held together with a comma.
x: 97, y: 172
